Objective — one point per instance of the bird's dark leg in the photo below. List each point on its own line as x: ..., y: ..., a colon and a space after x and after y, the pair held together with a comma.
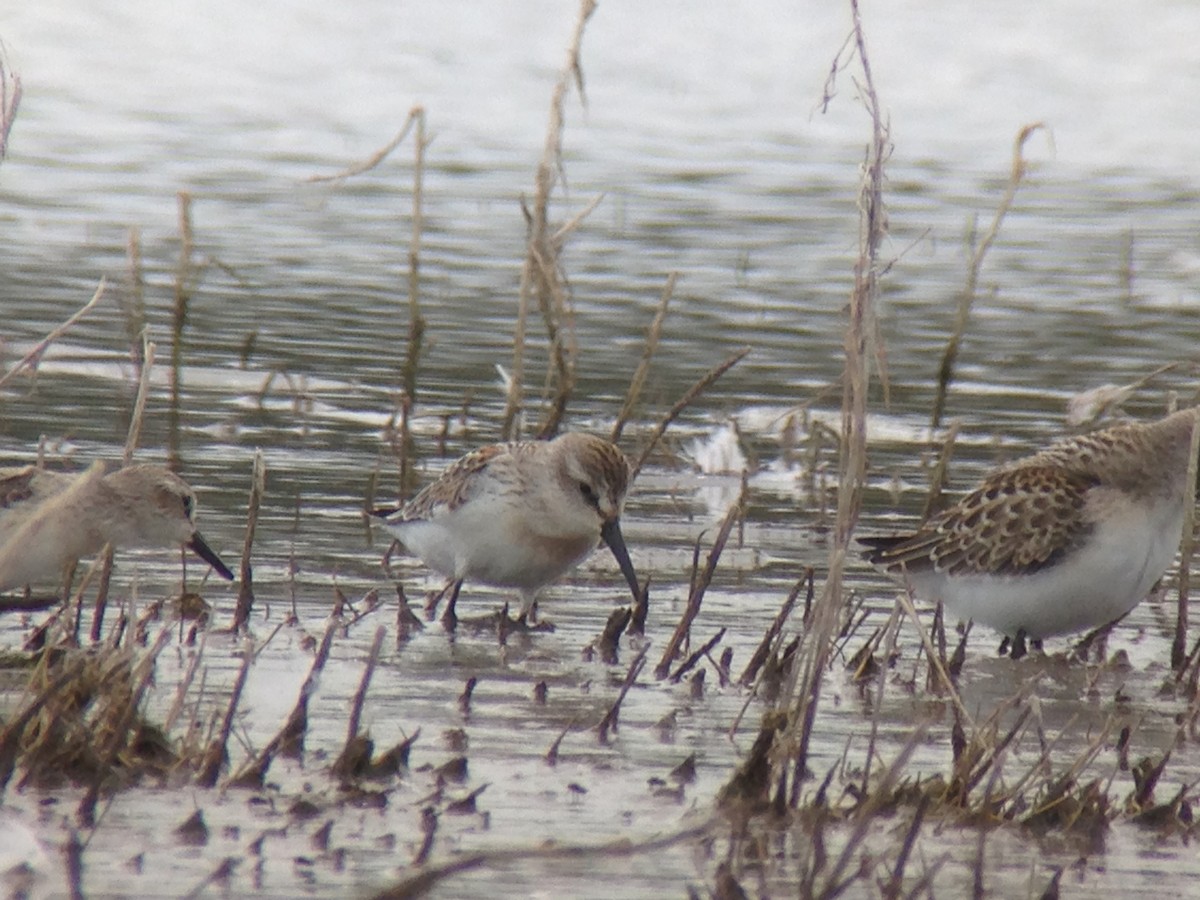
x: 449, y: 617
x: 1019, y: 648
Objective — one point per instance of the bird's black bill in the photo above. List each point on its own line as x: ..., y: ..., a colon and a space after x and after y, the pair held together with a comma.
x: 610, y: 533
x: 384, y: 512
x: 206, y: 553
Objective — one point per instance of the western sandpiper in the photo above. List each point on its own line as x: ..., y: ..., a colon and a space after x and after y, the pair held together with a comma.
x: 519, y: 515
x: 49, y: 518
x: 1068, y: 539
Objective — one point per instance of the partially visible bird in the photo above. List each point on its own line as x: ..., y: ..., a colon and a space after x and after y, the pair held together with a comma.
x: 1068, y: 539
x: 49, y: 518
x: 519, y: 515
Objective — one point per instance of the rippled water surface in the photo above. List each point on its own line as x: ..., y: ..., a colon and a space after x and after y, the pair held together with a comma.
x: 704, y: 138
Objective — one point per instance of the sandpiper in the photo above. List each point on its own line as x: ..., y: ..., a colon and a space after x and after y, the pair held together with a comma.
x: 519, y: 515
x: 50, y: 518
x: 1071, y: 538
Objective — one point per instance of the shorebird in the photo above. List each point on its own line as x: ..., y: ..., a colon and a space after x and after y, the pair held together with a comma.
x: 1071, y: 538
x: 49, y: 518
x: 519, y: 515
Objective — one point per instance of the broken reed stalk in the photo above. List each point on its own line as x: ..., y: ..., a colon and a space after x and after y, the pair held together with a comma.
x: 686, y: 665
x: 705, y: 382
x: 245, y: 598
x: 773, y: 635
x: 134, y: 299
x: 696, y: 594
x: 185, y: 683
x: 31, y: 359
x: 183, y: 290
x: 653, y: 334
x: 360, y: 696
x: 214, y: 756
x: 978, y: 252
x: 139, y: 403
x: 1179, y: 644
x: 541, y: 276
x: 804, y: 690
x: 611, y: 718
x: 289, y: 741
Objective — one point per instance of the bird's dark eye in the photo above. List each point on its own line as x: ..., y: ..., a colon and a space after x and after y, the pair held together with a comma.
x: 589, y: 494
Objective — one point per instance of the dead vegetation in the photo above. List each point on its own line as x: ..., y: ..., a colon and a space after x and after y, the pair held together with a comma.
x: 872, y: 820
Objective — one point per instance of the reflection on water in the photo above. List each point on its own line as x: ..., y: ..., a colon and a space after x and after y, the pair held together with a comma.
x: 717, y: 171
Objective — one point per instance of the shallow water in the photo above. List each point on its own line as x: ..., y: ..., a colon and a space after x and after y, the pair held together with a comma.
x: 703, y: 134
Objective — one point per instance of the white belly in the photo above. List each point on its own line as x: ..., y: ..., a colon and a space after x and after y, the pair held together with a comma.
x: 1098, y: 583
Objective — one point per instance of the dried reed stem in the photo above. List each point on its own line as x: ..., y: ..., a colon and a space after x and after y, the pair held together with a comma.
x: 214, y: 756
x: 540, y: 274
x: 696, y: 594
x: 865, y: 814
x: 134, y: 300
x: 360, y: 696
x: 245, y: 598
x: 139, y: 403
x: 937, y: 478
x: 978, y: 252
x: 686, y: 400
x: 184, y: 685
x: 32, y: 358
x: 416, y: 116
x: 686, y: 665
x: 1179, y: 644
x: 416, y: 321
x: 117, y: 732
x: 10, y: 101
x: 653, y: 334
x: 611, y: 718
x: 183, y: 291
x: 773, y: 635
x: 804, y: 693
